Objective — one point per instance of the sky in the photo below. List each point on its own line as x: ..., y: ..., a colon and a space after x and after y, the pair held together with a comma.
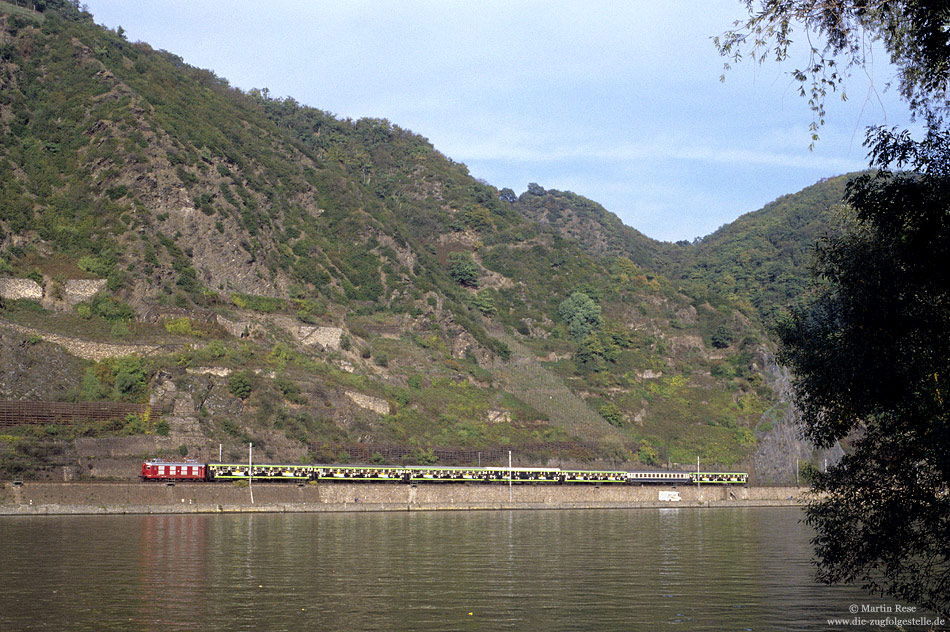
x: 618, y: 101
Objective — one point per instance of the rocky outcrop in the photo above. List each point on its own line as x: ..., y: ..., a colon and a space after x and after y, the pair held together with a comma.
x: 779, y: 432
x: 498, y: 417
x: 375, y: 404
x: 218, y: 371
x: 327, y: 338
x: 324, y: 338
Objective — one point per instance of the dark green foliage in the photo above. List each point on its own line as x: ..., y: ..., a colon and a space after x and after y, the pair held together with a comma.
x: 484, y: 302
x: 35, y: 276
x: 871, y: 352
x: 130, y: 378
x: 111, y: 308
x: 96, y: 266
x: 463, y: 269
x: 612, y: 414
x: 722, y: 337
x: 647, y: 454
x: 763, y: 257
x: 290, y: 390
x: 116, y: 379
x: 230, y: 427
x: 581, y: 314
x: 240, y: 384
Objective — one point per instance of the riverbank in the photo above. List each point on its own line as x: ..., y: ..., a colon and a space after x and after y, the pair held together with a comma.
x: 34, y: 498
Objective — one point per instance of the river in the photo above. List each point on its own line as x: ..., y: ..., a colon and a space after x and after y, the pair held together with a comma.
x: 645, y: 569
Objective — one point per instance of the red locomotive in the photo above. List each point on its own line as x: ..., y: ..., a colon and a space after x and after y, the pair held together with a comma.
x: 187, y: 470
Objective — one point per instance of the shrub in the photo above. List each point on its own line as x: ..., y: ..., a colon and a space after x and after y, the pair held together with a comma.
x: 112, y: 308
x: 95, y: 265
x: 463, y: 270
x: 162, y: 428
x: 722, y: 337
x: 36, y: 276
x: 180, y: 326
x: 239, y: 384
x: 612, y: 414
x: 647, y: 454
x: 265, y: 304
x: 581, y: 314
x: 483, y: 302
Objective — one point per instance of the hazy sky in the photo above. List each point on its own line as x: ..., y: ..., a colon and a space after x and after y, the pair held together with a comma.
x: 618, y: 101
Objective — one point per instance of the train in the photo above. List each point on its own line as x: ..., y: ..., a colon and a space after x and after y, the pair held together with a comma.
x: 194, y: 471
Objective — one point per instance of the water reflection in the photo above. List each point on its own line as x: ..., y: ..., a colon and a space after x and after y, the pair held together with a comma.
x: 549, y: 570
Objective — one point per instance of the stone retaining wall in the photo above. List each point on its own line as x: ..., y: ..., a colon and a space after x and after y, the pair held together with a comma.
x: 78, y: 498
x: 15, y: 289
x: 87, y: 350
x: 79, y: 290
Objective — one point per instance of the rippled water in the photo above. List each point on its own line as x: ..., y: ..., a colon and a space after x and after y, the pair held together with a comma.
x: 687, y: 569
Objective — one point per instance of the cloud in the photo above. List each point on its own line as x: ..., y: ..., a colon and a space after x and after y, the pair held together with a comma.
x: 502, y: 150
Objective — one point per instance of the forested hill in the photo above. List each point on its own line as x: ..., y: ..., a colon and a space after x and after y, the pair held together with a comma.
x: 600, y: 232
x: 260, y: 270
x: 760, y: 261
x: 763, y: 257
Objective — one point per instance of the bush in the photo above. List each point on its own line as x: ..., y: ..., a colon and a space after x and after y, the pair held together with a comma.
x: 463, y: 270
x: 612, y: 414
x: 95, y: 265
x: 265, y: 304
x: 483, y: 302
x: 647, y: 454
x: 722, y: 337
x: 162, y: 428
x: 180, y: 326
x: 112, y: 308
x: 130, y: 378
x: 239, y: 384
x: 36, y: 276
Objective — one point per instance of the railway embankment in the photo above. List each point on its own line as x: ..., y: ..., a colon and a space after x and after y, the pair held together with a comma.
x: 42, y: 498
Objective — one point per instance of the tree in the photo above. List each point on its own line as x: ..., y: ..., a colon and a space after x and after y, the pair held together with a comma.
x: 722, y: 337
x: 581, y: 314
x: 871, y: 355
x: 870, y: 347
x: 463, y: 269
x: 240, y: 385
x: 839, y: 35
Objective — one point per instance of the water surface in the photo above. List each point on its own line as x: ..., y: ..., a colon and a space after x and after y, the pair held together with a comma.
x: 647, y: 569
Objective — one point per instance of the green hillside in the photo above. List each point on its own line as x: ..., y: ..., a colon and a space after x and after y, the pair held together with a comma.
x: 271, y: 273
x: 764, y: 257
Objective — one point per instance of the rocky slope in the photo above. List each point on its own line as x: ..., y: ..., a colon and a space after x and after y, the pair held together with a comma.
x: 259, y: 270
